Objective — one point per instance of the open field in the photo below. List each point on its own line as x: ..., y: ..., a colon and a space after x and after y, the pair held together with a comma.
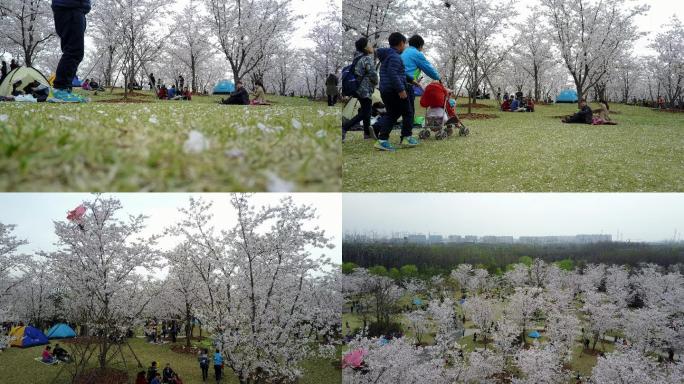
x: 111, y: 146
x: 529, y: 152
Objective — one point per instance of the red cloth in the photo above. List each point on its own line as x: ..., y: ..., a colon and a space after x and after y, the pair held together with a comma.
x: 506, y: 106
x: 436, y: 95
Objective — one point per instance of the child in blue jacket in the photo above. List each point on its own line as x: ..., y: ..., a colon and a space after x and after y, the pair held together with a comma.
x: 394, y: 92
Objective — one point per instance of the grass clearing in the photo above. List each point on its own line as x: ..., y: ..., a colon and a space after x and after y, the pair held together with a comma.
x: 532, y: 152
x: 109, y: 146
x: 17, y: 366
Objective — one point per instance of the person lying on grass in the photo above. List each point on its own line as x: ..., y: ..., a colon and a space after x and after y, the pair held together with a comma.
x: 584, y: 116
x: 239, y: 97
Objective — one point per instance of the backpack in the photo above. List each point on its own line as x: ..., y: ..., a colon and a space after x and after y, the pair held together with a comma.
x: 350, y: 80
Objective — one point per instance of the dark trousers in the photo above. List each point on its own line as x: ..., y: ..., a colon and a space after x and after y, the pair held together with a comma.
x: 396, y: 107
x: 218, y: 370
x: 332, y: 100
x: 412, y: 101
x: 205, y: 372
x: 70, y: 25
x: 363, y: 115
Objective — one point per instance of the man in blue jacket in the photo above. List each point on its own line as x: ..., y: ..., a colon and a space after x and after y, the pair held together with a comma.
x: 415, y: 62
x: 393, y: 89
x: 70, y: 25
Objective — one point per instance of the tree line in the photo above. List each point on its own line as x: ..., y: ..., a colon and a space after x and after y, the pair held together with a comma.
x: 439, y: 258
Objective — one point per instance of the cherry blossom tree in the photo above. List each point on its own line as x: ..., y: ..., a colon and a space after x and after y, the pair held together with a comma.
x: 521, y: 307
x: 27, y: 27
x: 96, y: 260
x: 374, y: 19
x: 589, y: 34
x: 481, y: 312
x: 539, y: 366
x: 630, y: 366
x: 534, y: 54
x: 248, y: 30
x: 257, y: 279
x: 473, y: 26
x: 191, y: 46
x: 10, y: 263
x: 669, y: 60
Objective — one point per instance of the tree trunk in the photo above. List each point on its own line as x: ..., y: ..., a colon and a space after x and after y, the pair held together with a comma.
x: 188, y: 325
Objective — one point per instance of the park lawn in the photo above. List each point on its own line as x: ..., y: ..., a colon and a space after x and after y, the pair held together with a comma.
x: 18, y: 367
x: 529, y: 152
x: 104, y: 146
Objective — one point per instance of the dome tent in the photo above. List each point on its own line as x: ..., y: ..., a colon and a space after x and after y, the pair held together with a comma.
x: 567, y: 96
x: 25, y: 75
x: 224, y: 87
x: 28, y: 336
x: 60, y: 331
x: 417, y: 301
x: 534, y: 334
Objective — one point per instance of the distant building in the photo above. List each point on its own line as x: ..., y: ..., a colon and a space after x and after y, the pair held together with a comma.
x: 454, y: 239
x: 470, y: 239
x: 416, y: 239
x: 435, y: 239
x: 497, y: 239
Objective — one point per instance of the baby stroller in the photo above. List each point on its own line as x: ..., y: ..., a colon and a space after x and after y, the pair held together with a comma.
x: 437, y: 119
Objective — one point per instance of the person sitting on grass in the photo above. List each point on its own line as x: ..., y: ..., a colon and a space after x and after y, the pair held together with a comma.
x: 584, y: 116
x: 61, y: 354
x: 515, y: 105
x: 156, y: 379
x: 163, y: 95
x: 187, y: 95
x: 152, y: 372
x: 47, y: 357
x: 259, y: 94
x: 140, y: 379
x: 239, y: 97
x: 86, y: 85
x: 172, y: 92
x: 506, y: 105
x: 529, y: 107
x: 70, y: 26
x: 167, y: 374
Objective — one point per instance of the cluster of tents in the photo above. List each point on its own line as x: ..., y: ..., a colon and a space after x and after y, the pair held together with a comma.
x: 28, y: 336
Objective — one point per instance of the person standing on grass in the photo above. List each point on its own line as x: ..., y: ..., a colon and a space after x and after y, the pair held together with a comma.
x: 218, y: 366
x: 331, y: 89
x: 415, y: 62
x: 3, y: 71
x: 204, y: 364
x: 393, y: 89
x: 364, y: 70
x: 70, y: 25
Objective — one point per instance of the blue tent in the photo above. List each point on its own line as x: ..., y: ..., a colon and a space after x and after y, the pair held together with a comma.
x: 417, y: 301
x: 76, y: 82
x: 27, y: 337
x: 567, y: 96
x: 224, y: 87
x: 60, y: 331
x: 534, y: 335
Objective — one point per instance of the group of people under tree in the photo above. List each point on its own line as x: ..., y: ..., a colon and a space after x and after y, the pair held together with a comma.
x: 517, y: 103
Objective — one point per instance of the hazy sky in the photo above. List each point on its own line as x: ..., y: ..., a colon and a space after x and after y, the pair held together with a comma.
x: 639, y: 217
x: 33, y: 213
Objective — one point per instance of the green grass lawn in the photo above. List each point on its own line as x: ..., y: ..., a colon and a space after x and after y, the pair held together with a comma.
x: 106, y: 146
x: 529, y: 152
x: 18, y: 367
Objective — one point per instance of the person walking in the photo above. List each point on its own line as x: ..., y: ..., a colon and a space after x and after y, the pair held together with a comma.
x: 416, y: 63
x: 393, y: 89
x: 331, y: 89
x: 218, y: 366
x: 204, y: 364
x: 364, y: 70
x: 70, y: 26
